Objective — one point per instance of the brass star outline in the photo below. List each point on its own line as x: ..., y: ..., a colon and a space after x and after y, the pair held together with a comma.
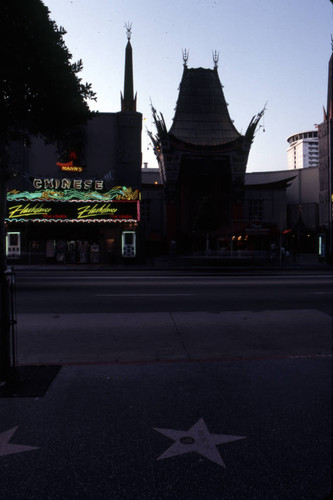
x: 7, y: 448
x: 197, y: 439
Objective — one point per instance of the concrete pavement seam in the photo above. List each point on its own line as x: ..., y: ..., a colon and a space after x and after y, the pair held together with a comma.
x: 180, y: 335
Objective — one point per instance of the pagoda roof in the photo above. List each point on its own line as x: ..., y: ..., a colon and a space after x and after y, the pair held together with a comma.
x: 202, y: 116
x: 270, y: 179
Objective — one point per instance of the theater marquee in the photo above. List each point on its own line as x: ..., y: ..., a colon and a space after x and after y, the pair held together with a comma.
x: 53, y: 211
x: 120, y: 204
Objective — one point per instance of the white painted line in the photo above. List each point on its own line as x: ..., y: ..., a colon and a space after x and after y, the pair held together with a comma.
x: 287, y: 277
x: 144, y: 294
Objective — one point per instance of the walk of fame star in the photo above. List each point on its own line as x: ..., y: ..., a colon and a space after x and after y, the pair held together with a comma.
x: 197, y: 439
x: 7, y: 448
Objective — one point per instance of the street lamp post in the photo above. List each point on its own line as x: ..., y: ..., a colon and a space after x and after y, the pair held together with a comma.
x: 5, y: 344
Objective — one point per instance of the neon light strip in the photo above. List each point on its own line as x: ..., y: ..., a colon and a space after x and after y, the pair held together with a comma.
x: 73, y: 220
x: 47, y: 200
x: 115, y: 194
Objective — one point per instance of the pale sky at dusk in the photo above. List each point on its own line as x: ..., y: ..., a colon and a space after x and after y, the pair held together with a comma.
x: 273, y: 51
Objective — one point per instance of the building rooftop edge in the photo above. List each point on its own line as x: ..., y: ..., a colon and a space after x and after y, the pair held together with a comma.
x: 300, y: 133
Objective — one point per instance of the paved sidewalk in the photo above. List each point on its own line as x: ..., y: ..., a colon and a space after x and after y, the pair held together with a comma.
x: 191, y: 263
x: 188, y: 431
x: 61, y: 338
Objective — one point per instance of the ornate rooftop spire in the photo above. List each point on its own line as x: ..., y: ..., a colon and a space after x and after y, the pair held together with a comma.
x: 185, y: 57
x: 128, y: 101
x: 216, y: 57
x: 128, y: 27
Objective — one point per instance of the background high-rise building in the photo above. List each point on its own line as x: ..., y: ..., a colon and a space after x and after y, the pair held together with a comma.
x: 303, y: 150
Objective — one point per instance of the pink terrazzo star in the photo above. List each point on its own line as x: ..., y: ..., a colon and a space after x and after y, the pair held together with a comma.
x: 7, y: 448
x: 197, y: 439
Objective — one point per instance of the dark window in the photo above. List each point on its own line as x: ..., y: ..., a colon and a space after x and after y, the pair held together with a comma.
x: 146, y: 210
x: 255, y: 209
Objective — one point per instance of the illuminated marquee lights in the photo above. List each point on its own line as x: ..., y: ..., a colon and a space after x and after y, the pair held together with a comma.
x: 118, y: 193
x: 88, y: 211
x: 73, y: 211
x: 85, y: 221
x: 120, y: 204
x: 77, y: 184
x: 20, y: 211
x: 69, y: 167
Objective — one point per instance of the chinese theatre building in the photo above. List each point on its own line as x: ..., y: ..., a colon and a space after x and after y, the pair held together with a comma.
x: 79, y: 201
x: 202, y: 160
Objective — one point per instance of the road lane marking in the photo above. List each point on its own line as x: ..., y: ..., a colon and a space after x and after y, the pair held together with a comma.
x: 114, y: 276
x: 143, y: 294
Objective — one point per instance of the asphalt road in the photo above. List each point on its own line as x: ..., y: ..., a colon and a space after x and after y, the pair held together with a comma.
x: 74, y: 292
x: 145, y: 316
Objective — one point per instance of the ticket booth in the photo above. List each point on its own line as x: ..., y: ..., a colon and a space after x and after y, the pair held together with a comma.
x: 128, y: 244
x: 13, y: 245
